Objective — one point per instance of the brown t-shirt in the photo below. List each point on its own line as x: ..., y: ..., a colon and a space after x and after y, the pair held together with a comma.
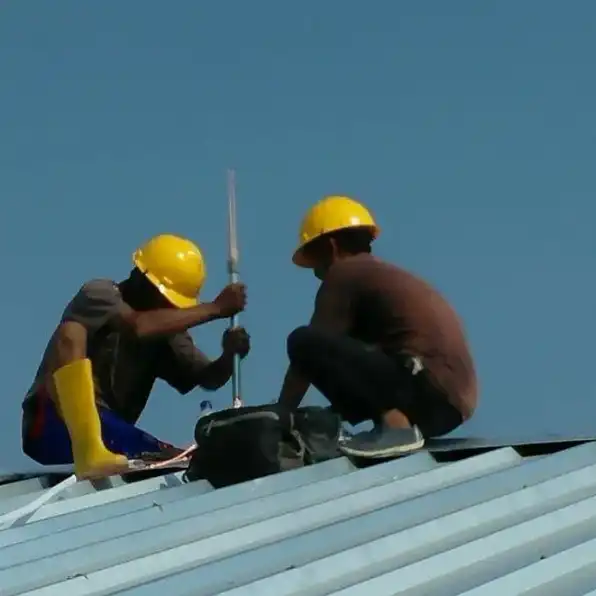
x: 404, y: 316
x: 124, y: 368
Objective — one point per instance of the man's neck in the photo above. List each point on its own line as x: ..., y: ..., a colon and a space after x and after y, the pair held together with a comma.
x: 131, y: 295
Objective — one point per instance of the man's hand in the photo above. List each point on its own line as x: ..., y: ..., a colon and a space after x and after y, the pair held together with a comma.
x: 231, y: 300
x: 236, y: 341
x: 218, y: 372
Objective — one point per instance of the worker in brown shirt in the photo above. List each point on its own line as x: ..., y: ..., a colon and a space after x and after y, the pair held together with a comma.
x: 113, y: 341
x: 382, y: 344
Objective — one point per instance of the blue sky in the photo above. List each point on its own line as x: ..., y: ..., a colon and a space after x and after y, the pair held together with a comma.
x: 467, y: 127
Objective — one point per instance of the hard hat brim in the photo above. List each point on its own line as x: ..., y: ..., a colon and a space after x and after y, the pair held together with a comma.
x: 300, y: 260
x: 179, y: 300
x: 175, y: 298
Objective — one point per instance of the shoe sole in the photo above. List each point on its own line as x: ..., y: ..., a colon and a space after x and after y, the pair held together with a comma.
x: 383, y: 453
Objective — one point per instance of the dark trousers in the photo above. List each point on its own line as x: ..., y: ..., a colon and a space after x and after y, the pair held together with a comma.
x: 362, y: 382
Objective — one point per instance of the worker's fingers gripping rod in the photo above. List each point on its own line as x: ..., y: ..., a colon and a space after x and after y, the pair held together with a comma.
x: 233, y: 257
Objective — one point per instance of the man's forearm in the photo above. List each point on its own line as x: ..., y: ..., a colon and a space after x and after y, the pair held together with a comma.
x: 217, y: 373
x: 293, y: 390
x: 169, y: 321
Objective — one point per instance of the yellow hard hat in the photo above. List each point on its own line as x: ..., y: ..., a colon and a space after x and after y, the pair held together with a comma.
x: 175, y: 266
x: 329, y: 215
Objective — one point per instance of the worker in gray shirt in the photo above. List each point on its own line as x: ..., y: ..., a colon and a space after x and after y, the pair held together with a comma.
x: 113, y: 341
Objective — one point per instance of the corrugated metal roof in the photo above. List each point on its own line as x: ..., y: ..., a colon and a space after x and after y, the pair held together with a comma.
x: 492, y: 524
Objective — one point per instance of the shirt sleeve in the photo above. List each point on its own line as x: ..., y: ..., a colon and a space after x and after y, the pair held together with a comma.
x: 181, y: 363
x: 94, y: 305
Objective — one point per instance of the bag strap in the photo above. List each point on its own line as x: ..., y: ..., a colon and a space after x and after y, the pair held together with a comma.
x: 214, y: 423
x: 230, y: 417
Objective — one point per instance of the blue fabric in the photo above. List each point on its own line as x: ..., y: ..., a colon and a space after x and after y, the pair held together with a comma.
x: 52, y: 445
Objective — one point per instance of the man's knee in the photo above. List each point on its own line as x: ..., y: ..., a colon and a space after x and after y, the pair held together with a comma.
x: 299, y: 343
x: 71, y: 342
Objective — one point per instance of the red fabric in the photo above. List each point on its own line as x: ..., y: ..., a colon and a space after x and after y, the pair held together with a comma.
x: 38, y: 421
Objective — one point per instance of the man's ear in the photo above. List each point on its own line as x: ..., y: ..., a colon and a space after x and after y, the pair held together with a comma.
x: 334, y: 249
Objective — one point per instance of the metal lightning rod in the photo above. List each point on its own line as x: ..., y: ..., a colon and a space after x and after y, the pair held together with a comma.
x: 233, y: 258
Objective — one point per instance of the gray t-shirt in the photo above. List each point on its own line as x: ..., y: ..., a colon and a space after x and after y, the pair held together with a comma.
x: 124, y: 368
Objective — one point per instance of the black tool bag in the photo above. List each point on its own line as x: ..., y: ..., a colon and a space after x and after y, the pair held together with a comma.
x: 245, y: 443
x: 319, y: 429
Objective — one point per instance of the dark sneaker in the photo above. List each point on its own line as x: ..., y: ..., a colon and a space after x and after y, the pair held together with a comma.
x: 383, y: 442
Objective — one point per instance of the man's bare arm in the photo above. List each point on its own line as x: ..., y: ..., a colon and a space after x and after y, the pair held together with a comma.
x: 169, y: 321
x: 293, y: 390
x: 217, y: 373
x: 332, y: 313
x: 184, y: 366
x: 166, y: 321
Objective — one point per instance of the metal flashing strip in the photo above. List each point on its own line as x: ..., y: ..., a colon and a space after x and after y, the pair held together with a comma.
x: 20, y: 515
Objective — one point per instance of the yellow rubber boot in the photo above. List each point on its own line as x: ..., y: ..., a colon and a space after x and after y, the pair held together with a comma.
x: 76, y: 397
